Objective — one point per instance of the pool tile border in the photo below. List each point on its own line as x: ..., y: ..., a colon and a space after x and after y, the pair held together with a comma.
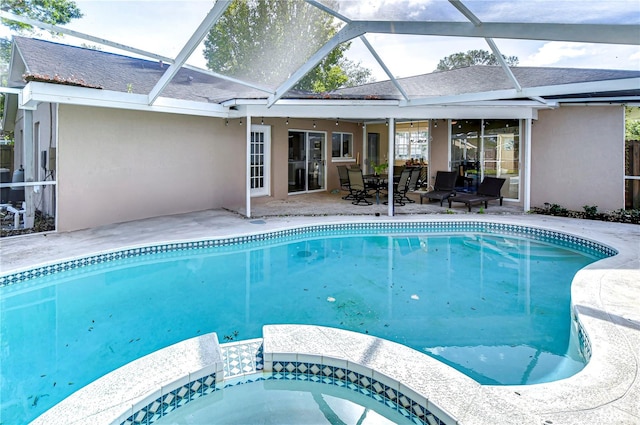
x: 260, y: 239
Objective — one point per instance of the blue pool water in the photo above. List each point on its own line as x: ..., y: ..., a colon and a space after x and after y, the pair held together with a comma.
x: 495, y: 307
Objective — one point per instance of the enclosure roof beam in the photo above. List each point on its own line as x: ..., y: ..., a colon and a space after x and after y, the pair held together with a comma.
x: 585, y: 33
x: 345, y: 34
x: 531, y: 92
x: 392, y: 78
x: 196, y: 38
x: 494, y: 47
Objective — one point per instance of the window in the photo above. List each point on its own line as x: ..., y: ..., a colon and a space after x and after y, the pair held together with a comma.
x: 342, y: 145
x: 412, y: 141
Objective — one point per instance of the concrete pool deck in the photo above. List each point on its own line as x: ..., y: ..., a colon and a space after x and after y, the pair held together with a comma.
x: 605, y: 296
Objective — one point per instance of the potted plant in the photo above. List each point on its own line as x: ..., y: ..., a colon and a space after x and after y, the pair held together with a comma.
x: 380, y: 168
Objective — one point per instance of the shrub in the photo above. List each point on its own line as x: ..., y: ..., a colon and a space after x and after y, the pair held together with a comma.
x: 590, y: 212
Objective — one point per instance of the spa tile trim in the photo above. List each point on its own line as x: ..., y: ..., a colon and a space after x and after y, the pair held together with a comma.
x: 251, y: 352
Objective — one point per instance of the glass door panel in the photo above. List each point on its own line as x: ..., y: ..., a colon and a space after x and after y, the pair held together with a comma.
x: 316, y: 162
x: 260, y: 160
x: 307, y: 165
x: 502, y: 154
x: 465, y: 153
x: 297, y: 161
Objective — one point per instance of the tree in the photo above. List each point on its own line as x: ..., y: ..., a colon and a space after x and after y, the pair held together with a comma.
x: 264, y: 41
x: 473, y: 57
x: 632, y: 123
x: 55, y: 12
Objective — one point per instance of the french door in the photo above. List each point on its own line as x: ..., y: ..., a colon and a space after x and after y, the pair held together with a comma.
x: 307, y: 165
x: 260, y: 160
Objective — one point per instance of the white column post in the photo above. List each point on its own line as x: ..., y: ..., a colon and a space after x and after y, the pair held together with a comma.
x: 527, y: 165
x: 390, y: 161
x: 248, y: 168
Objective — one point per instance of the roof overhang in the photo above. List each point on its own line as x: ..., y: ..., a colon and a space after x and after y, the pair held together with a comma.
x: 349, y: 109
x: 36, y: 92
x: 384, y: 109
x: 532, y: 92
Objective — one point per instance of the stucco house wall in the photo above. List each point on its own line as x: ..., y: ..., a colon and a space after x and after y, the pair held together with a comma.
x: 118, y: 165
x: 578, y: 157
x: 439, y: 158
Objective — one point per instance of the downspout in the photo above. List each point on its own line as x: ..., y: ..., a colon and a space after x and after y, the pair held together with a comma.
x: 248, y: 169
x: 390, y: 161
x: 527, y: 165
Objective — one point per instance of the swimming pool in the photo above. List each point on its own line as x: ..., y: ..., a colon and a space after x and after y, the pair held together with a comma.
x: 102, y: 337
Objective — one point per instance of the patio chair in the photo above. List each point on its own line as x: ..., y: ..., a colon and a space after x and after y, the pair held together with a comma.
x: 401, y: 188
x: 488, y: 190
x: 443, y: 188
x: 412, y: 185
x: 358, y: 187
x: 343, y: 174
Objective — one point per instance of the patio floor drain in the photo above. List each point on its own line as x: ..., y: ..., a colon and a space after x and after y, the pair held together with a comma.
x: 257, y: 222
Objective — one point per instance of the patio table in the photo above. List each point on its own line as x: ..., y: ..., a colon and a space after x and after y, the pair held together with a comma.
x: 376, y: 181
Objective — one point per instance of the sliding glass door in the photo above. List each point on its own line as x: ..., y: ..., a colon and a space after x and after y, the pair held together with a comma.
x: 307, y: 165
x: 482, y: 148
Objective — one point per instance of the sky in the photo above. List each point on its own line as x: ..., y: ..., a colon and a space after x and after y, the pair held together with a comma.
x: 163, y: 27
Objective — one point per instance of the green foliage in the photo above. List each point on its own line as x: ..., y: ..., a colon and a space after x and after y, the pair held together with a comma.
x: 380, y: 168
x: 473, y: 57
x: 590, y: 212
x: 632, y: 123
x: 56, y: 12
x: 264, y: 41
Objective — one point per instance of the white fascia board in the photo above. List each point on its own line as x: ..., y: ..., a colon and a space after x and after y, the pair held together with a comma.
x: 582, y: 33
x: 630, y: 101
x: 382, y: 111
x: 10, y: 90
x: 35, y: 92
x: 531, y: 92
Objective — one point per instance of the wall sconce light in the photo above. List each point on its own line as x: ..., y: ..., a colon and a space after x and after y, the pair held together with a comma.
x: 287, y: 121
x: 386, y: 123
x: 314, y: 123
x: 336, y: 121
x: 226, y: 123
x: 262, y: 121
x: 435, y: 123
x: 240, y: 121
x: 411, y: 124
